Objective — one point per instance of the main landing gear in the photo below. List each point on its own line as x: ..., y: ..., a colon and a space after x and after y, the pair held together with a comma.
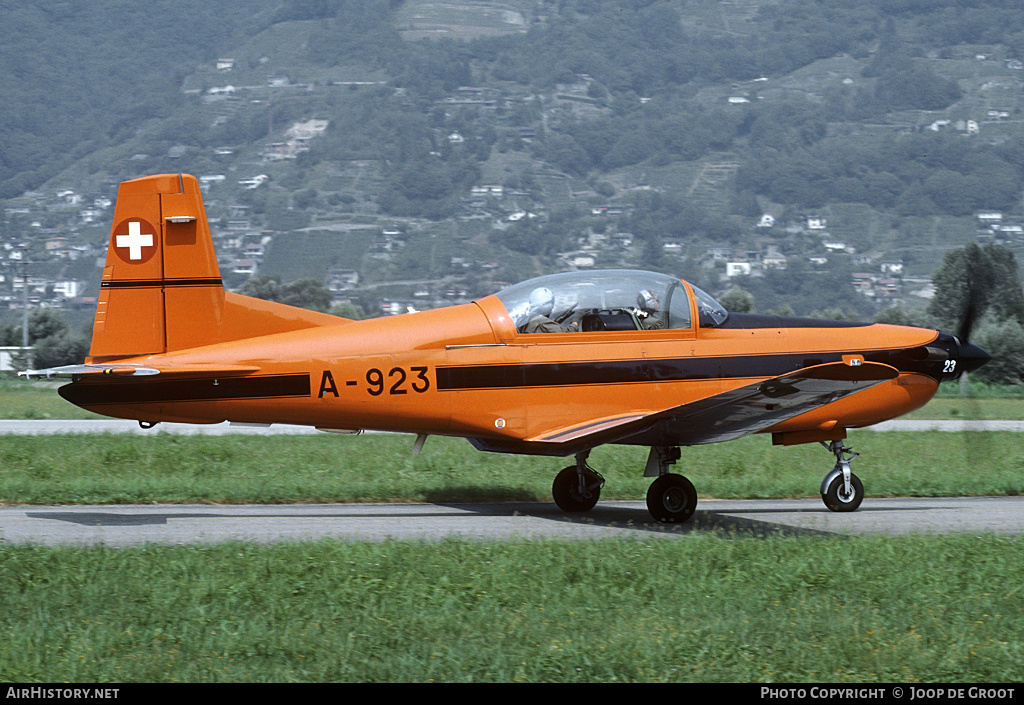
x: 671, y: 498
x: 841, y: 490
x: 577, y: 487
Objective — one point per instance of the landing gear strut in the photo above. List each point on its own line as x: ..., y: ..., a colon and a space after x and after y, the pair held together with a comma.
x: 841, y: 490
x: 577, y: 487
x: 671, y: 498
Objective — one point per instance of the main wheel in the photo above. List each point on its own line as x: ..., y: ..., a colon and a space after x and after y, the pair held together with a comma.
x: 837, y: 500
x: 671, y: 499
x: 566, y: 490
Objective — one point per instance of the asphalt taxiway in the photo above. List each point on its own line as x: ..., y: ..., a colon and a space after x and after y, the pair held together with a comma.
x: 132, y: 525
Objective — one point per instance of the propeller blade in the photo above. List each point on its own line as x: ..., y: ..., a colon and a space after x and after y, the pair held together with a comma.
x: 967, y: 319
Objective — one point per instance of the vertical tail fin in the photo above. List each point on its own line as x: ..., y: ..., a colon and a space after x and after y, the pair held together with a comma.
x: 161, y: 287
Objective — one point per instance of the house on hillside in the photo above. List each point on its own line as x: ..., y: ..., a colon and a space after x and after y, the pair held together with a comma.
x: 342, y: 279
x: 737, y: 269
x: 244, y: 266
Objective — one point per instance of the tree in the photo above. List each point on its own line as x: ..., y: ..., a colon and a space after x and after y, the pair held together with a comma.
x: 45, y: 323
x: 262, y: 287
x: 1004, y: 341
x: 53, y: 341
x: 302, y: 293
x: 308, y: 293
x: 896, y: 316
x: 974, y: 280
x: 737, y: 300
x: 66, y: 348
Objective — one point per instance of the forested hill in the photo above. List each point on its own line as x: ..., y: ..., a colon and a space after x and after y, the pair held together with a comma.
x: 665, y: 127
x: 77, y: 77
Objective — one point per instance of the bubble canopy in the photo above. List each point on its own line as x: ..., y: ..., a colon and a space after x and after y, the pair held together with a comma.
x: 617, y: 299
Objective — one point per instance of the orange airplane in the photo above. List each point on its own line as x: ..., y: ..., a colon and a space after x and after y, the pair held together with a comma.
x: 554, y: 366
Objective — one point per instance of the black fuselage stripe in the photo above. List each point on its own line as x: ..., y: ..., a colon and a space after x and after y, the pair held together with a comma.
x: 159, y: 283
x: 87, y: 392
x: 558, y: 374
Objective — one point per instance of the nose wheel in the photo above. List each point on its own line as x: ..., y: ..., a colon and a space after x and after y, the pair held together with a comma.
x: 841, y: 490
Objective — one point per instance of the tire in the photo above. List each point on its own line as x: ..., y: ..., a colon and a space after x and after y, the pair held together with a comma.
x: 671, y: 499
x: 834, y: 498
x: 566, y: 490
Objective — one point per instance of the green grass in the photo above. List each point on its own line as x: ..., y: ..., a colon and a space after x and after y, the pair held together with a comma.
x: 706, y: 608
x: 983, y: 401
x: 970, y: 408
x: 38, y: 399
x: 161, y: 467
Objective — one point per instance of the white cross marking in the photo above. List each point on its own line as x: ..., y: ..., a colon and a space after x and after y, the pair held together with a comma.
x: 135, y: 240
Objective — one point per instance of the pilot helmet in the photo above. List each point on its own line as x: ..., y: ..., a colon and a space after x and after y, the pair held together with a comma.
x: 542, y: 301
x: 647, y: 300
x: 520, y: 314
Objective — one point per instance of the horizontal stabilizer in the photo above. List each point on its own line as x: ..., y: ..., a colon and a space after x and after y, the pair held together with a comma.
x: 77, y: 370
x: 139, y: 370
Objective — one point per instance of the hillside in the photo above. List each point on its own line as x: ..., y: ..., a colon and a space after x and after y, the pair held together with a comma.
x: 417, y: 153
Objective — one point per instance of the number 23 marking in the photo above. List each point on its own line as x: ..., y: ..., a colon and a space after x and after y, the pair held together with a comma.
x: 949, y: 367
x: 397, y: 378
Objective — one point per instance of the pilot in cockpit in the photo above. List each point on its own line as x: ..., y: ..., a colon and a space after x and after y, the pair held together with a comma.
x: 649, y: 310
x: 542, y: 301
x: 538, y: 320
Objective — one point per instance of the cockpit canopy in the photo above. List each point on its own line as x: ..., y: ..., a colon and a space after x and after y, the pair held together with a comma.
x: 607, y: 300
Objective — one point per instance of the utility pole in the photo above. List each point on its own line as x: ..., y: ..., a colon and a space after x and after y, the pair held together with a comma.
x: 24, y: 299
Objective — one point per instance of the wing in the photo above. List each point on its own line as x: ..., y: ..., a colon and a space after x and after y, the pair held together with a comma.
x: 722, y: 417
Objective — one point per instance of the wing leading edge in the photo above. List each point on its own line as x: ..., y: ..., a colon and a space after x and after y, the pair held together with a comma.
x: 722, y: 417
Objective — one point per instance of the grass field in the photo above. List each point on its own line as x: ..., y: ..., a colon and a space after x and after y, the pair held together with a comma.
x: 381, y: 468
x: 709, y: 608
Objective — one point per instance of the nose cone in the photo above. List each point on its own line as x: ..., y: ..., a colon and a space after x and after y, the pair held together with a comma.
x: 971, y: 357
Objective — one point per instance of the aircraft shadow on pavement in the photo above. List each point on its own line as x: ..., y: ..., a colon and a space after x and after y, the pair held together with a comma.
x: 638, y: 519
x: 610, y: 516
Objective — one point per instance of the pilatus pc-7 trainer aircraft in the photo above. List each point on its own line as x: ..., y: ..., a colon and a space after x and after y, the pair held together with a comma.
x: 554, y: 366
